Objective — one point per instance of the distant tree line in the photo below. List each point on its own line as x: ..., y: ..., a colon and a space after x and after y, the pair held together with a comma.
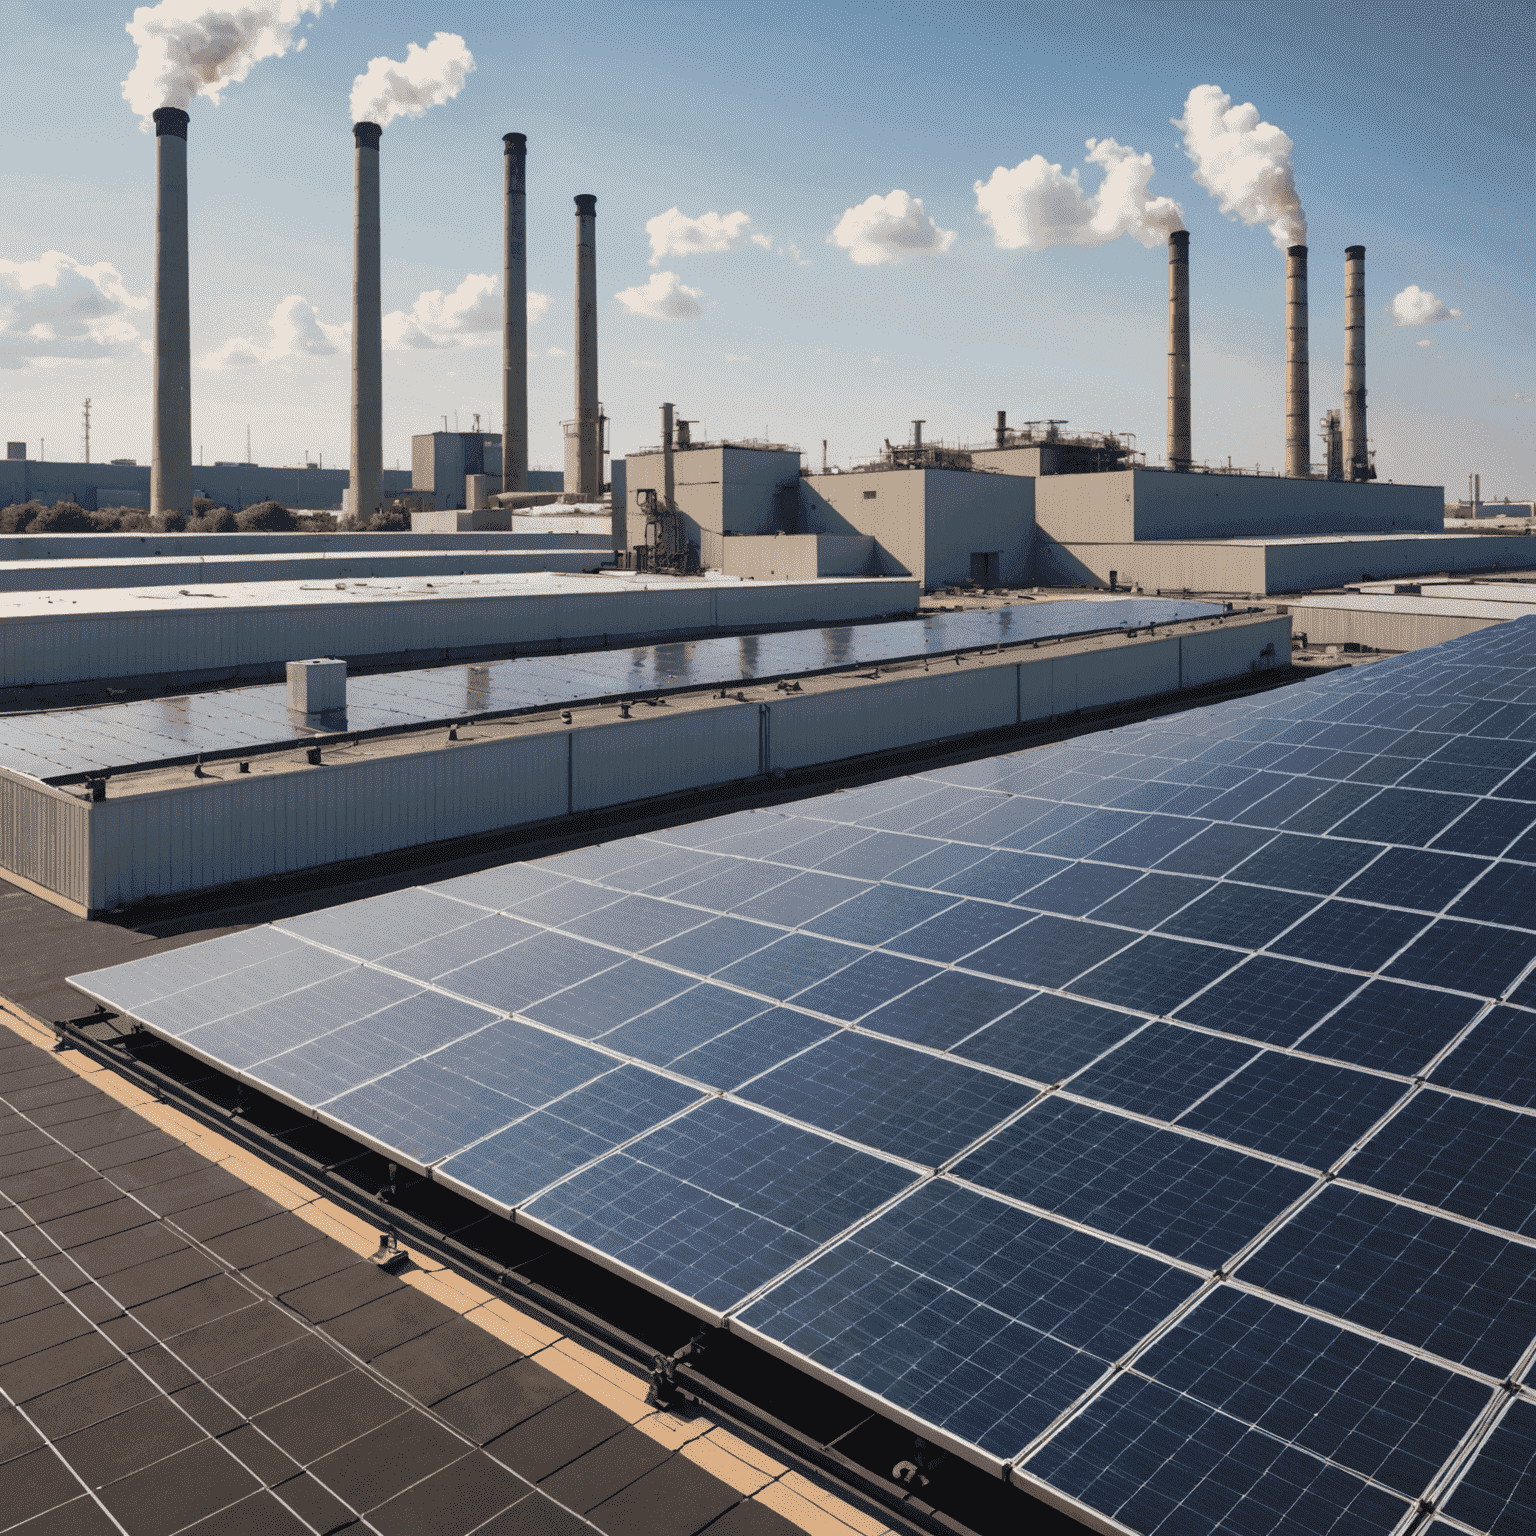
x: 207, y: 517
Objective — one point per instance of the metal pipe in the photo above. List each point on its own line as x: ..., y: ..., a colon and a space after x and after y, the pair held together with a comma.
x: 1357, y: 460
x: 588, y: 463
x: 668, y: 482
x: 365, y: 487
x: 1298, y: 409
x: 1002, y: 429
x: 514, y: 313
x: 1180, y: 451
x: 170, y: 476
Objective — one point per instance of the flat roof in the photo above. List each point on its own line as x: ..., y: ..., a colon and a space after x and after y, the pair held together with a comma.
x: 1262, y: 541
x: 299, y: 594
x: 1407, y: 603
x: 522, y: 550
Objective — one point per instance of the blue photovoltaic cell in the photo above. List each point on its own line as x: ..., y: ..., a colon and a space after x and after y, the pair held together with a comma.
x: 1475, y: 1159
x: 1004, y: 876
x: 1350, y: 935
x: 546, y: 963
x: 592, y: 1008
x: 1506, y: 894
x: 886, y: 1096
x: 1161, y: 1071
x: 499, y: 888
x: 1049, y: 1038
x: 959, y: 931
x: 860, y: 988
x: 1471, y: 957
x: 946, y: 1009
x: 138, y: 982
x: 1498, y: 1492
x: 195, y: 1007
x: 1281, y: 1371
x: 1488, y: 828
x: 1243, y: 915
x: 737, y: 1055
x: 970, y: 1314
x: 1216, y: 851
x: 531, y: 1066
x: 1317, y: 865
x: 1305, y: 1111
x: 789, y: 965
x: 632, y: 922
x: 717, y: 1203
x: 1392, y: 1027
x: 1152, y: 898
x: 1415, y: 877
x: 1049, y: 952
x: 382, y: 924
x: 1270, y: 999
x: 1182, y: 1196
x: 1497, y: 1060
x: 1078, y: 889
x: 1160, y: 1462
x: 663, y: 1034
x: 1413, y: 817
x: 445, y: 952
x: 1156, y: 974
x: 719, y: 943
x: 880, y: 915
x: 517, y: 1162
x: 1466, y: 1295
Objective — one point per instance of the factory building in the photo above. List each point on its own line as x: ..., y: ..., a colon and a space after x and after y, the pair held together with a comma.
x: 441, y: 463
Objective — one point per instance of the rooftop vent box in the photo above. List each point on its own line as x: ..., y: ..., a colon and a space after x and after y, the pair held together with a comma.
x: 317, y: 686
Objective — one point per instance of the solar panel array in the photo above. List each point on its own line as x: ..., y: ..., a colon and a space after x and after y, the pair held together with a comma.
x: 1150, y: 1118
x: 73, y: 741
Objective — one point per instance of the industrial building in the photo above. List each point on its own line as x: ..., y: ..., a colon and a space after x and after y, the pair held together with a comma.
x: 759, y: 1001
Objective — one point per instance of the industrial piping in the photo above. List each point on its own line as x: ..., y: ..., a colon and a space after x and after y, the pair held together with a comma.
x: 1180, y: 452
x: 588, y: 453
x: 365, y: 490
x: 514, y: 317
x: 170, y: 476
x: 1298, y: 409
x: 1357, y: 461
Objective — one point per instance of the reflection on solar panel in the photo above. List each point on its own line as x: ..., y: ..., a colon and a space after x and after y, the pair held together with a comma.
x: 74, y: 741
x: 1181, y: 1166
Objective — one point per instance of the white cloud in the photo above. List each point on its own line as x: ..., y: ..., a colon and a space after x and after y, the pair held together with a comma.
x: 1033, y: 206
x: 1425, y: 343
x: 673, y: 233
x: 427, y: 77
x: 57, y: 308
x: 470, y: 316
x: 1524, y: 399
x: 296, y: 331
x: 664, y: 297
x: 189, y: 48
x: 1243, y: 163
x: 884, y: 229
x: 1417, y: 306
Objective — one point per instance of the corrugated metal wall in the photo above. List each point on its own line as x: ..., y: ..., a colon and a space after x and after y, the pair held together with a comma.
x: 218, y: 832
x: 45, y: 838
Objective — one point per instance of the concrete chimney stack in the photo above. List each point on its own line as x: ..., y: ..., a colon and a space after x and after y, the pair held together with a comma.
x: 1357, y: 461
x: 1298, y: 409
x: 1002, y: 429
x: 584, y: 464
x: 668, y: 472
x: 1180, y: 453
x: 170, y: 476
x: 514, y: 319
x: 365, y: 491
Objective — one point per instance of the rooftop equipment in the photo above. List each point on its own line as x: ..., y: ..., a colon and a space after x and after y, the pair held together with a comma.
x: 365, y: 491
x: 170, y: 480
x: 514, y: 314
x: 1298, y: 455
x: 1180, y: 453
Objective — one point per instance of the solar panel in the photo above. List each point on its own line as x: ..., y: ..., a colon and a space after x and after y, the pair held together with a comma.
x: 64, y: 742
x: 1149, y: 1118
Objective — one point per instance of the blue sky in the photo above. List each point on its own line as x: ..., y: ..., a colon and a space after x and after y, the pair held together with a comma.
x: 1412, y: 133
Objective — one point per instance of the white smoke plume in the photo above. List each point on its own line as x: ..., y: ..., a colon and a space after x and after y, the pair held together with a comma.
x: 884, y: 229
x: 57, y: 308
x: 190, y: 48
x: 1417, y: 306
x: 296, y: 331
x: 470, y: 316
x: 1243, y: 163
x: 664, y: 297
x: 673, y: 233
x: 428, y: 77
x: 1033, y: 206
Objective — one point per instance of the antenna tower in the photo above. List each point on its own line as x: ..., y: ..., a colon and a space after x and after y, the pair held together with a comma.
x: 87, y: 420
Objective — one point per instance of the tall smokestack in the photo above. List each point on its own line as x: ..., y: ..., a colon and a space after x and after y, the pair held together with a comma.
x: 1356, y: 459
x: 366, y: 491
x: 588, y: 463
x: 1298, y: 409
x: 668, y: 475
x: 514, y: 320
x: 1180, y: 453
x: 1002, y: 429
x: 170, y: 477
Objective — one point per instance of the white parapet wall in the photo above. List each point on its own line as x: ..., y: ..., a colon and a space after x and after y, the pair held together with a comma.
x: 1398, y: 623
x: 252, y: 631
x: 165, y: 834
x: 1260, y: 567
